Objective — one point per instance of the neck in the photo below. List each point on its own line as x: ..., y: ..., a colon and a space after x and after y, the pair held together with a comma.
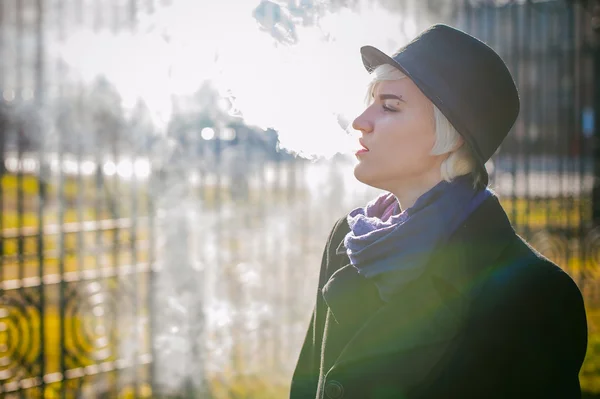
x: 408, y: 193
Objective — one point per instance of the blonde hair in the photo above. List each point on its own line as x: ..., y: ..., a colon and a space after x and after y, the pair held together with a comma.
x: 460, y: 160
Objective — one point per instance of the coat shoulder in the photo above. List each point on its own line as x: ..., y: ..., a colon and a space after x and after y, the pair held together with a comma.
x: 532, y: 294
x: 338, y: 232
x: 522, y: 266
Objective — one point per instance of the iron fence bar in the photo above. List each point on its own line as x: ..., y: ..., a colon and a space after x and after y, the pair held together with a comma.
x: 572, y: 23
x: 272, y: 254
x: 3, y: 43
x: 515, y: 62
x: 74, y: 276
x: 3, y: 133
x: 262, y: 251
x: 278, y: 256
x: 498, y: 45
x: 567, y: 115
x: 3, y: 107
x: 111, y: 192
x: 580, y: 78
x: 61, y: 260
x: 60, y: 69
x: 527, y: 48
x: 543, y: 35
x: 5, y: 128
x: 151, y: 288
x: 134, y: 214
x: 98, y: 206
x: 116, y: 247
x: 133, y: 232
x: 87, y: 226
x: 133, y: 249
x: 563, y: 55
x: 219, y: 234
x: 552, y: 109
x: 596, y: 102
x: 201, y: 151
x: 20, y: 131
x: 72, y: 373
x: 81, y: 244
x: 216, y: 197
x: 54, y: 254
x: 39, y: 99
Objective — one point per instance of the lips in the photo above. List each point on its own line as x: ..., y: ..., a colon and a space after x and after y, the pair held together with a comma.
x: 362, y: 150
x: 363, y: 144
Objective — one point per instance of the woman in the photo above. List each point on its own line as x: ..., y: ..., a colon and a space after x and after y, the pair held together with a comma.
x: 427, y: 291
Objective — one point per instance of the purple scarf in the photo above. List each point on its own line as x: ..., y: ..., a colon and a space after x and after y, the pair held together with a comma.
x: 385, y: 242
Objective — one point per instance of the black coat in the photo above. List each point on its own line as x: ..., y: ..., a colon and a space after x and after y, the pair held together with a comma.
x: 490, y: 318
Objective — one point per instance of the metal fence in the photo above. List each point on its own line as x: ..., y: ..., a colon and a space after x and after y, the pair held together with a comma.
x: 75, y: 225
x: 138, y: 266
x: 547, y: 169
x: 546, y: 165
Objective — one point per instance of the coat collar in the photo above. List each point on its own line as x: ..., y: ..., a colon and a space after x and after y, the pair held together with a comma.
x: 430, y: 309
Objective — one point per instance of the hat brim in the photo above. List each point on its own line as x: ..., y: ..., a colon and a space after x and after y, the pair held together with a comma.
x: 373, y: 57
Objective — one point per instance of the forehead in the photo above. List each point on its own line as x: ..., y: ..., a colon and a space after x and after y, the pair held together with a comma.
x: 402, y: 87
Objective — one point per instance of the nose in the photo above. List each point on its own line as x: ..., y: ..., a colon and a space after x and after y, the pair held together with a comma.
x: 363, y: 123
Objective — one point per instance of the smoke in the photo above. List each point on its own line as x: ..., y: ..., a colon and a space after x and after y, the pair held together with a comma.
x: 292, y: 68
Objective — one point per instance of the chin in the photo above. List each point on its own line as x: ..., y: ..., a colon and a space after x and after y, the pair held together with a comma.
x: 365, y: 176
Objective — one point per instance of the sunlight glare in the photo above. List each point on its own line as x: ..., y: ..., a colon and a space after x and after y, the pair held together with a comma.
x: 309, y: 90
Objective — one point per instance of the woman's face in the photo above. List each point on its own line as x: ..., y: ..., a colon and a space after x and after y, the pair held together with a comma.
x: 398, y: 129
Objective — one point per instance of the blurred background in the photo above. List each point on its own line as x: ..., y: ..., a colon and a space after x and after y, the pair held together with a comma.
x: 170, y: 171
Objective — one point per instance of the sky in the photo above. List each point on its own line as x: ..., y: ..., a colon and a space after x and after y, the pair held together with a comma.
x: 291, y: 66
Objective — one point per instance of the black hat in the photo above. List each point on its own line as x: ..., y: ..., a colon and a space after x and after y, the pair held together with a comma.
x: 465, y: 79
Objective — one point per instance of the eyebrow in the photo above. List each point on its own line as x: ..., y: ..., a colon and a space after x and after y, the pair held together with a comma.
x: 390, y: 97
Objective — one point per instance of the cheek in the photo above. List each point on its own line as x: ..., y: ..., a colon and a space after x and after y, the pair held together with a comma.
x: 413, y: 139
